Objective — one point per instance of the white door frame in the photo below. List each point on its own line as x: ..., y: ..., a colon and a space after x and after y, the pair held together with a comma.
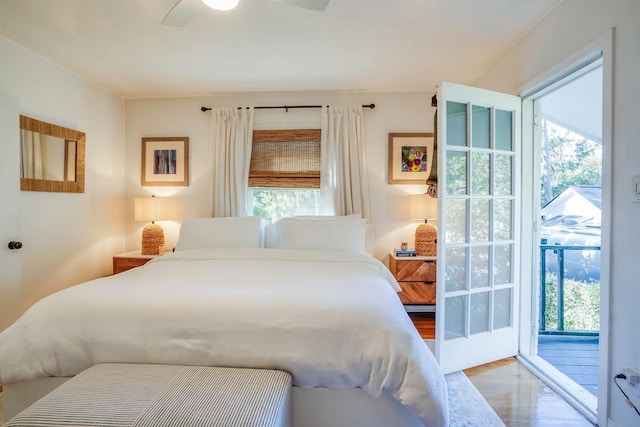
x: 530, y: 175
x: 10, y: 264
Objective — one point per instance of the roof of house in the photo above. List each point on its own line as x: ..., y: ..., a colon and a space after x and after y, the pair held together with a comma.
x: 560, y: 210
x: 592, y: 193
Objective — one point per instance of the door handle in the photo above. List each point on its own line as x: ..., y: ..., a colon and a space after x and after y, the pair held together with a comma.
x: 13, y: 245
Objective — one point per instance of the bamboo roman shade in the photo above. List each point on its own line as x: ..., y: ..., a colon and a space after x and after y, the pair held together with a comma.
x: 285, y: 158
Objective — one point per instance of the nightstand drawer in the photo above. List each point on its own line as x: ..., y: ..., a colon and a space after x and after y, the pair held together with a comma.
x: 418, y: 292
x: 417, y: 278
x: 128, y: 260
x: 415, y: 270
x: 124, y: 264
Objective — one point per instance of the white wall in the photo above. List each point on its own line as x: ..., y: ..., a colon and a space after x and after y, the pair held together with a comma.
x: 573, y: 25
x: 68, y: 238
x: 399, y: 112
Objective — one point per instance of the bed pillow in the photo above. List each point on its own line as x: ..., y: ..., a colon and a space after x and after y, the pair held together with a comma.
x: 221, y: 232
x: 272, y: 231
x: 326, y: 217
x: 330, y: 233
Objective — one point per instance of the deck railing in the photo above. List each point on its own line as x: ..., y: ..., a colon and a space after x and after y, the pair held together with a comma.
x: 559, y: 250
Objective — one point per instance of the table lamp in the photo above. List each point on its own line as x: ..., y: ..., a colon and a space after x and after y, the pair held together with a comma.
x: 153, y: 209
x: 422, y: 207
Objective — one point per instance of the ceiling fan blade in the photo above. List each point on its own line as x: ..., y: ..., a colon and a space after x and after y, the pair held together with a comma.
x: 181, y: 13
x: 318, y: 5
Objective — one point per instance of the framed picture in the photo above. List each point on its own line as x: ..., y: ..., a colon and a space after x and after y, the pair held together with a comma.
x: 165, y: 161
x: 410, y: 157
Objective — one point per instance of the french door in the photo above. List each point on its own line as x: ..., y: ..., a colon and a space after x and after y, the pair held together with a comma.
x: 478, y: 226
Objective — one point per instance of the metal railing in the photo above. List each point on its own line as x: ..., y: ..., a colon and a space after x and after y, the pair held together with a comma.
x: 559, y: 250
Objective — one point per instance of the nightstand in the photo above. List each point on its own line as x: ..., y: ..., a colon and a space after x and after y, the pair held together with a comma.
x: 417, y: 278
x: 128, y: 260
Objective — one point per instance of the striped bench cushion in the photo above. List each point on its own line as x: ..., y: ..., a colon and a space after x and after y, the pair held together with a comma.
x: 165, y: 395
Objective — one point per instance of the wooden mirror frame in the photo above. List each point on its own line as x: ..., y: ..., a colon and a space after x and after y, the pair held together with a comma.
x: 77, y: 186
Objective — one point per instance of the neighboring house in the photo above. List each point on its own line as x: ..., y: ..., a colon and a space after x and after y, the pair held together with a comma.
x: 573, y: 218
x: 578, y: 205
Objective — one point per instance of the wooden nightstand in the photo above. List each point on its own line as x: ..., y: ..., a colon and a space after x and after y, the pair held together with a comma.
x: 128, y: 260
x: 417, y: 278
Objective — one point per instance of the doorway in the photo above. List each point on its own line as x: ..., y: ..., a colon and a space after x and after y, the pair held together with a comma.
x: 567, y: 212
x: 570, y: 226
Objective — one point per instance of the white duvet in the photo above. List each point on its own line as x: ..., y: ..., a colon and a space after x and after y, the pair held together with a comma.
x: 331, y: 319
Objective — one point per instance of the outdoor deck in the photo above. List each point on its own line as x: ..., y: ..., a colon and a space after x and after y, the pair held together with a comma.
x: 574, y: 355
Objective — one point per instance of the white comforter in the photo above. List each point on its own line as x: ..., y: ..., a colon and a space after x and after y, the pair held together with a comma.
x: 330, y: 319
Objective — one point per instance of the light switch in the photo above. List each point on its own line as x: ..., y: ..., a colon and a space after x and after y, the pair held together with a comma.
x: 636, y: 189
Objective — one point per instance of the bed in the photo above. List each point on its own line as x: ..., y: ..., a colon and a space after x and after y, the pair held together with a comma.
x: 303, y: 298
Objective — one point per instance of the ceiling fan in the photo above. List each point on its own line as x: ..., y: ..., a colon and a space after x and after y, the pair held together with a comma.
x: 184, y: 10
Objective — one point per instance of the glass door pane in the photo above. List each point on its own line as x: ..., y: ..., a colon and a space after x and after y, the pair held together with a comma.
x: 475, y: 288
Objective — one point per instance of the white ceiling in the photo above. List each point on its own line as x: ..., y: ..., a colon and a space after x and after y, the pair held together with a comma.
x: 577, y: 105
x: 266, y: 46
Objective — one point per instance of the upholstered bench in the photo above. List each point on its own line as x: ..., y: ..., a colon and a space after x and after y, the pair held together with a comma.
x: 117, y: 394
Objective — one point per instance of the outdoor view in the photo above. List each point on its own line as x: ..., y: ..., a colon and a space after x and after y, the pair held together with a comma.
x: 571, y: 203
x: 275, y: 203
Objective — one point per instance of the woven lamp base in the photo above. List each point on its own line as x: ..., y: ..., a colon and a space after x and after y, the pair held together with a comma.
x: 426, y: 240
x: 152, y: 238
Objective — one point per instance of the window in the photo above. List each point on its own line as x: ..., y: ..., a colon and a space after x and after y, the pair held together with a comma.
x: 284, y: 176
x: 275, y: 203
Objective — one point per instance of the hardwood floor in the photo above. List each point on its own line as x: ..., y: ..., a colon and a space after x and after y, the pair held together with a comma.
x: 425, y: 323
x: 519, y: 398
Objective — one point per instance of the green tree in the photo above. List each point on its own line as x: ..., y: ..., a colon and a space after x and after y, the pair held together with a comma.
x: 273, y: 204
x: 567, y: 159
x: 581, y: 304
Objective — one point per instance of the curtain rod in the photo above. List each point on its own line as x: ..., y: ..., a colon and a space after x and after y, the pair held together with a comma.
x: 287, y: 107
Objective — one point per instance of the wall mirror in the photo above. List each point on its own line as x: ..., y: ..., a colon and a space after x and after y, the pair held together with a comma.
x: 51, y: 157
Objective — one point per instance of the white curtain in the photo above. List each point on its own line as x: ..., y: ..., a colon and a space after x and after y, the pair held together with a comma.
x: 32, y: 154
x: 343, y: 181
x: 231, y: 135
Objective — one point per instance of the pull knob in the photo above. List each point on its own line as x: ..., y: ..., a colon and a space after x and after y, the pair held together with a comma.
x: 15, y: 245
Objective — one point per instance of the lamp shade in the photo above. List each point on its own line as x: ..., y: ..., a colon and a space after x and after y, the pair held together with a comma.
x: 422, y: 207
x: 154, y: 209
x: 221, y: 4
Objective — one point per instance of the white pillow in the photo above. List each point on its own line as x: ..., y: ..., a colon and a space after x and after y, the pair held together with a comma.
x: 272, y: 231
x: 326, y: 217
x: 333, y: 233
x: 221, y: 232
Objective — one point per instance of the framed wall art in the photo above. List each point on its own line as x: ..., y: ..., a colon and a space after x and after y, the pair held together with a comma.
x: 165, y: 161
x: 410, y: 157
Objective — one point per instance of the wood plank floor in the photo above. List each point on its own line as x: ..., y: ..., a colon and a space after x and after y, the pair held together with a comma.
x: 575, y: 356
x: 519, y: 398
